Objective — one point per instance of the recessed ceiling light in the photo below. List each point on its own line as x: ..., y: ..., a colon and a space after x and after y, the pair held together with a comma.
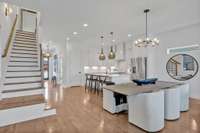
x: 129, y: 35
x: 75, y: 33
x: 85, y: 25
x: 68, y: 38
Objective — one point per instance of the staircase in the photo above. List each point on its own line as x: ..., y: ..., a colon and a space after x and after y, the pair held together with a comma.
x: 23, y: 73
x: 22, y: 92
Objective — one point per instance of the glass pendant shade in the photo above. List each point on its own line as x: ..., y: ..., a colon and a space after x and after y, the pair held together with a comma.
x: 111, y: 54
x: 102, y: 55
x: 147, y: 41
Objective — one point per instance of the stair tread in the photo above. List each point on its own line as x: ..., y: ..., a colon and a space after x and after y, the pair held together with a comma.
x: 23, y: 61
x: 23, y: 71
x: 23, y: 53
x: 28, y: 82
x: 25, y: 37
x: 23, y: 57
x: 26, y: 43
x: 21, y: 101
x: 22, y: 76
x: 19, y: 30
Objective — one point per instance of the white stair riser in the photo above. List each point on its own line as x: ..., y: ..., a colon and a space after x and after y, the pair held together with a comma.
x: 24, y: 55
x: 10, y: 74
x: 26, y: 48
x: 15, y: 80
x: 23, y: 93
x: 26, y: 42
x: 24, y: 51
x: 21, y: 86
x: 19, y: 44
x: 24, y: 32
x: 22, y: 68
x: 22, y: 63
x: 24, y: 36
x: 22, y: 59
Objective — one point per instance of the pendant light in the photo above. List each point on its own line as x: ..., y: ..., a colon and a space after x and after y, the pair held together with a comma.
x: 111, y: 54
x: 102, y: 55
x: 47, y: 52
x: 147, y: 41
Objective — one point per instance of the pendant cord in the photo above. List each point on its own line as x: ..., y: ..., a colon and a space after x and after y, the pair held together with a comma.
x: 146, y: 26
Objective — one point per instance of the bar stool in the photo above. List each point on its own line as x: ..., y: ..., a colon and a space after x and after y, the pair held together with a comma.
x: 87, y: 80
x: 102, y: 79
x: 172, y: 103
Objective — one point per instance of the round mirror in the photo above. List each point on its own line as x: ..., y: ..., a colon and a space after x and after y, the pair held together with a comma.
x: 182, y: 67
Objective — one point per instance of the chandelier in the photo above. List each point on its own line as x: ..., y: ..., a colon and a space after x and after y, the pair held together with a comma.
x: 147, y: 41
x: 102, y: 55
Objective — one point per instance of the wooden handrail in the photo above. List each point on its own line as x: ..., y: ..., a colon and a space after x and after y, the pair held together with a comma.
x: 10, y: 38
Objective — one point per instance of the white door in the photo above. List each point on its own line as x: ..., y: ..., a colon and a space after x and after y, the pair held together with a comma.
x: 29, y: 21
x: 75, y: 66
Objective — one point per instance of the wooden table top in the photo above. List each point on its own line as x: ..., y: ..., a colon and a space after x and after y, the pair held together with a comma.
x: 129, y: 89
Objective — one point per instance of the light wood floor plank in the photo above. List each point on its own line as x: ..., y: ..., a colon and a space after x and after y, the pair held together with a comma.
x: 81, y: 112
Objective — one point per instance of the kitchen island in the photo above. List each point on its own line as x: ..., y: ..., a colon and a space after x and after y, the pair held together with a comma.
x: 147, y: 105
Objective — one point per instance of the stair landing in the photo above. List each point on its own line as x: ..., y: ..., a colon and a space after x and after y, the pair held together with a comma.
x: 8, y: 103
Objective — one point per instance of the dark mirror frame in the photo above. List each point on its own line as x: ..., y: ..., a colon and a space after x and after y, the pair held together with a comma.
x: 183, y: 79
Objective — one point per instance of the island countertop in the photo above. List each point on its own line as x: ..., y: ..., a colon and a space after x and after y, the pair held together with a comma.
x: 108, y: 74
x: 129, y: 89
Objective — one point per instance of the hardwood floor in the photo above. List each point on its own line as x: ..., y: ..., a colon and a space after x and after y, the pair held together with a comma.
x: 81, y: 112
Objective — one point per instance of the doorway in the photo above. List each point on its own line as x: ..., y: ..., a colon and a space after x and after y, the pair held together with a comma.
x: 46, y: 68
x: 28, y: 20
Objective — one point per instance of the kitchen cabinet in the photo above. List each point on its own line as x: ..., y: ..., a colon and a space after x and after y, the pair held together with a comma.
x: 120, y: 51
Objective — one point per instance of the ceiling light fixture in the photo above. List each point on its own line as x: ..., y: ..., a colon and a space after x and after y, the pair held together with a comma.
x: 68, y: 38
x: 111, y: 54
x: 102, y: 55
x: 8, y: 10
x: 75, y: 33
x: 85, y: 25
x: 129, y: 35
x: 147, y: 41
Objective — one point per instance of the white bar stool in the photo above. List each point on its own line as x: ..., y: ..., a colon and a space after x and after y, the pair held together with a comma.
x: 146, y: 111
x: 184, y: 97
x: 172, y: 103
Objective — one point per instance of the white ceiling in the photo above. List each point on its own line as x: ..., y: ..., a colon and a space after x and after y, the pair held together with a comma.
x: 61, y: 17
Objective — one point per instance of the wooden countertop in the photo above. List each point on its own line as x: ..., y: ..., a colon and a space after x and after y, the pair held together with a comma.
x: 132, y: 89
x: 106, y: 75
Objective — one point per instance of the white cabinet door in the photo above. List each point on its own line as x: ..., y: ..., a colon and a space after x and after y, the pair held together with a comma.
x: 120, y: 51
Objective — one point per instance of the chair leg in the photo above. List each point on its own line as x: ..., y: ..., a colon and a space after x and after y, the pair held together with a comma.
x: 85, y: 85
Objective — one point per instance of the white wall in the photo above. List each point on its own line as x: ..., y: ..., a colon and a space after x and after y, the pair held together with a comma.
x: 6, y: 23
x: 180, y: 37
